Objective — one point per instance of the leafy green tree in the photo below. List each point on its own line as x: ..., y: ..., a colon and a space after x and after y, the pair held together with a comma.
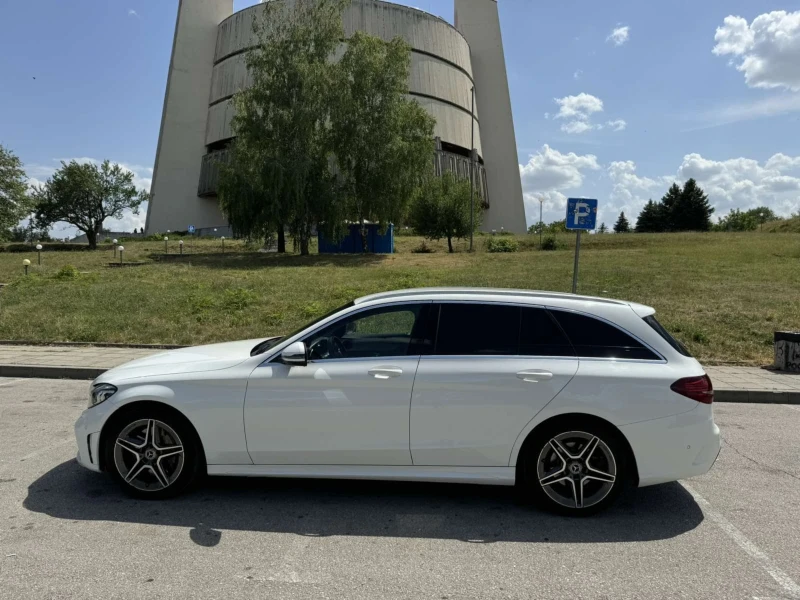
x: 666, y: 208
x: 603, y: 228
x: 85, y: 195
x: 279, y: 170
x: 763, y: 214
x: 622, y: 225
x: 736, y: 220
x: 649, y: 220
x: 557, y: 227
x: 537, y: 227
x: 14, y: 198
x: 29, y: 234
x: 692, y: 212
x: 441, y: 209
x: 382, y: 141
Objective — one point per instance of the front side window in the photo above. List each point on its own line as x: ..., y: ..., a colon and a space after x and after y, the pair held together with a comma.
x: 594, y: 338
x: 478, y: 330
x: 540, y: 335
x: 379, y: 332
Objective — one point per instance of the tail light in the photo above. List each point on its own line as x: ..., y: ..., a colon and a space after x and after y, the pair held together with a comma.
x: 696, y: 388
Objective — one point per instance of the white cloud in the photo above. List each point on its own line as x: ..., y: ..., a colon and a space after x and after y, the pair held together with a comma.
x: 733, y: 113
x: 132, y: 13
x: 629, y: 191
x: 547, y: 115
x: 577, y: 127
x: 581, y: 106
x: 579, y: 110
x: 547, y: 174
x: 769, y: 48
x: 619, y: 35
x: 744, y: 183
x: 577, y: 74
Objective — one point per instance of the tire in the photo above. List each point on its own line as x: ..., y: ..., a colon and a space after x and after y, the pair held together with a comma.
x: 575, y: 467
x: 153, y: 453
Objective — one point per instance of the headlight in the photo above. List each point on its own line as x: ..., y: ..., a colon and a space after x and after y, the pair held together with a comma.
x: 100, y: 393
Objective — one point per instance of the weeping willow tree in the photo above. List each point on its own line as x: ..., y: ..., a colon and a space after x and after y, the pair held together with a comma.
x: 325, y: 133
x: 278, y: 174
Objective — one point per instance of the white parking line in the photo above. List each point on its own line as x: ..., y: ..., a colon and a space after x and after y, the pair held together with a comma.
x: 786, y: 582
x: 10, y: 382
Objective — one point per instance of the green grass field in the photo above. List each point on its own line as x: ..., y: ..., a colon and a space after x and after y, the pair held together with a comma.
x: 723, y: 294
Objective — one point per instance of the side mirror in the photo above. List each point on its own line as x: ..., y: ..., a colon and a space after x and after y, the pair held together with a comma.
x: 295, y: 354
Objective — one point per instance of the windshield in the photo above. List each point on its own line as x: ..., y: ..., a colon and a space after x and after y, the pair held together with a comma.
x: 271, y: 343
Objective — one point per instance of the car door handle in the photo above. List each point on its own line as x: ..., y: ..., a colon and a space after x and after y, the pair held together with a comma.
x: 386, y: 372
x: 534, y: 376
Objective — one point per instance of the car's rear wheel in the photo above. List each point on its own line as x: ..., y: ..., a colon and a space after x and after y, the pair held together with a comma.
x: 575, y: 469
x: 152, y: 453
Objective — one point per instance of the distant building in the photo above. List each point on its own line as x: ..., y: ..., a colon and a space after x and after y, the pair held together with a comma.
x: 208, y: 67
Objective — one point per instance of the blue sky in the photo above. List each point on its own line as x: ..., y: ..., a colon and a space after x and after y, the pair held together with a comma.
x: 612, y: 100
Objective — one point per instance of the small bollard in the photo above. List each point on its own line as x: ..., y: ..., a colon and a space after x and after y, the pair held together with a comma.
x: 39, y: 252
x: 166, y: 247
x: 121, y: 250
x: 180, y: 245
x: 114, y: 242
x: 223, y: 244
x: 26, y: 263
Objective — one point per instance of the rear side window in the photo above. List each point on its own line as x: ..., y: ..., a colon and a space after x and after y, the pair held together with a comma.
x: 594, y: 338
x: 477, y: 329
x: 659, y: 328
x: 540, y: 335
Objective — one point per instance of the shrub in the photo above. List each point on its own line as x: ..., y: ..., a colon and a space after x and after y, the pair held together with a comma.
x: 423, y: 248
x: 67, y: 272
x: 549, y: 243
x: 502, y: 244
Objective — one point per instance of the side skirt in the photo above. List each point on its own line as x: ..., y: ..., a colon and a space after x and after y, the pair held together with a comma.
x: 479, y: 475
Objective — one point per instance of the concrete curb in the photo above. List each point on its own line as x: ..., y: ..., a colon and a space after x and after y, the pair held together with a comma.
x: 48, y: 372
x: 757, y: 396
x: 89, y: 373
x: 92, y: 345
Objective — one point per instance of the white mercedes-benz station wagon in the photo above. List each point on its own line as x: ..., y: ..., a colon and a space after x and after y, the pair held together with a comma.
x: 570, y: 397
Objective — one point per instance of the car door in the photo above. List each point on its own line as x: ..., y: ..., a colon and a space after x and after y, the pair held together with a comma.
x: 349, y: 405
x: 493, y: 368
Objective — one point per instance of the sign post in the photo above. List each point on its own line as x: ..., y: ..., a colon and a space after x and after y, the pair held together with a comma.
x: 190, y: 229
x: 581, y: 215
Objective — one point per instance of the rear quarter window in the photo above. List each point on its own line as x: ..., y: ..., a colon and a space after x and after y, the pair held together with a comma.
x: 593, y: 338
x: 659, y: 328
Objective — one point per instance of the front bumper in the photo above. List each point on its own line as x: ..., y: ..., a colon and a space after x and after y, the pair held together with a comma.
x: 677, y: 447
x: 87, y: 435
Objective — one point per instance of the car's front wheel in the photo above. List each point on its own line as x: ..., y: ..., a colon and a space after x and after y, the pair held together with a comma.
x: 575, y: 469
x: 152, y: 453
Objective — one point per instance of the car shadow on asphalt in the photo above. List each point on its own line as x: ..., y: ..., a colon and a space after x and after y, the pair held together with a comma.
x: 319, y: 508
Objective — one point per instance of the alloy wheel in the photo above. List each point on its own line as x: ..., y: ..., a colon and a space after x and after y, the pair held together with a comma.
x: 149, y: 455
x: 576, y: 469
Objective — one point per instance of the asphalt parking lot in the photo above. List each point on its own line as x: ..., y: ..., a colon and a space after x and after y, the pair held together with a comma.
x: 68, y: 533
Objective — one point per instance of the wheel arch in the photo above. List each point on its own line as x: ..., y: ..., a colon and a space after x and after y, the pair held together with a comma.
x: 138, y: 405
x: 569, y: 418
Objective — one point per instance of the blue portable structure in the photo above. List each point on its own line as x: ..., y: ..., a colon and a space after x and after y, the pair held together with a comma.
x: 351, y: 243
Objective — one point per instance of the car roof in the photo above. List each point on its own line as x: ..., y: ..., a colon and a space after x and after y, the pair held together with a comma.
x: 467, y: 292
x: 559, y: 299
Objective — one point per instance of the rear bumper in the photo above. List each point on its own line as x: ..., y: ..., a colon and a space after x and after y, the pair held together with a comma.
x: 676, y: 447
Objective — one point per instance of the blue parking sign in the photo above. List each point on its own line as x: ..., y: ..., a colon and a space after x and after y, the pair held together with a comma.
x: 581, y: 213
x: 190, y: 229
